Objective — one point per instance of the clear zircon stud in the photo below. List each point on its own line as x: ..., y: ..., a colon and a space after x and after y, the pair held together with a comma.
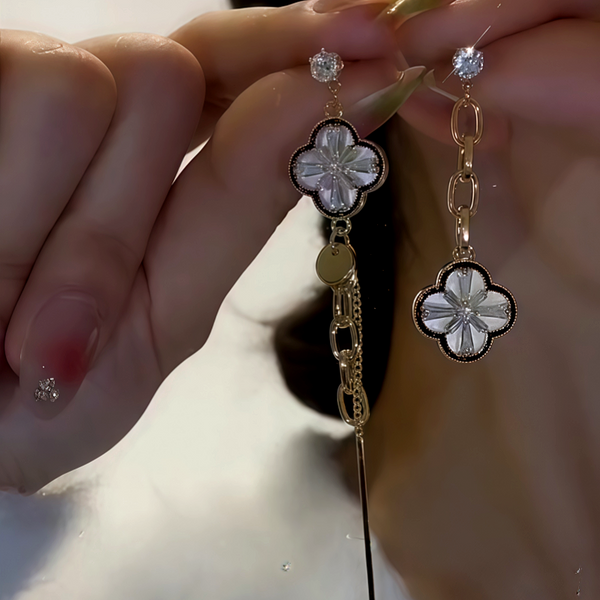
x: 468, y: 63
x: 326, y: 66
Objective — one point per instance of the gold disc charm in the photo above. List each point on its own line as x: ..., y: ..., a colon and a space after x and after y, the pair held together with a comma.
x: 336, y: 264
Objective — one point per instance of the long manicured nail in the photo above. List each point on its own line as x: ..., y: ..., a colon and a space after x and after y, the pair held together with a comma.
x: 376, y: 109
x: 59, y: 346
x: 407, y: 8
x: 327, y: 6
x: 429, y: 81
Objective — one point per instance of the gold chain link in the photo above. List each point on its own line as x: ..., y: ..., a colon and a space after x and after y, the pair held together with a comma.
x: 465, y: 174
x: 334, y: 108
x: 347, y: 314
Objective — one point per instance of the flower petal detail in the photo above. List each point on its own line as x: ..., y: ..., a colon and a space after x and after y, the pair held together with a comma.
x: 494, y: 311
x: 438, y: 313
x: 337, y: 168
x: 464, y: 311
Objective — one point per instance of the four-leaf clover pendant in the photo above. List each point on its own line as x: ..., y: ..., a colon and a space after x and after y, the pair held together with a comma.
x: 464, y: 311
x: 337, y: 169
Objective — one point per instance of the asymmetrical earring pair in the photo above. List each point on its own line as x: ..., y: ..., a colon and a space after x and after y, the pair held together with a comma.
x: 464, y: 310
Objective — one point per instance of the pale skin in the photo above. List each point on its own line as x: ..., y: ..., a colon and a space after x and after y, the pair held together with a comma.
x: 485, y: 477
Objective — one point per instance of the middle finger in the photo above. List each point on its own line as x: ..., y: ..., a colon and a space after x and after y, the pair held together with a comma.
x: 98, y: 244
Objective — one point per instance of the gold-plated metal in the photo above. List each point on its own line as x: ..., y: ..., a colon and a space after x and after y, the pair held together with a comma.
x: 360, y: 402
x: 347, y: 314
x: 364, y: 501
x: 458, y: 318
x: 463, y: 253
x: 457, y: 136
x: 473, y: 181
x: 334, y: 107
x: 343, y: 323
x: 465, y: 157
x: 342, y: 301
x: 463, y: 223
x: 346, y: 371
x: 463, y: 250
x: 336, y: 264
x: 336, y: 267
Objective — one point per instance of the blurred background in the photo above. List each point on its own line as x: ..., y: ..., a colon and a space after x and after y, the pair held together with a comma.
x: 225, y: 490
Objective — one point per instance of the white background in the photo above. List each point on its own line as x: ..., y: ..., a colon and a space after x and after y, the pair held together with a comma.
x: 226, y: 477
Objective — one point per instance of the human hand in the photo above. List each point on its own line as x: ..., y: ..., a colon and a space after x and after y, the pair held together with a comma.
x: 487, y: 475
x: 94, y: 135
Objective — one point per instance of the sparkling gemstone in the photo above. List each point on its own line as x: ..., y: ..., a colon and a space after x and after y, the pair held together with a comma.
x: 468, y: 62
x: 466, y: 312
x: 326, y: 66
x: 337, y: 168
x: 46, y: 391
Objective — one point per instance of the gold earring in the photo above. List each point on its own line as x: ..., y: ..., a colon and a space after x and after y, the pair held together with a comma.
x: 465, y: 310
x: 337, y: 170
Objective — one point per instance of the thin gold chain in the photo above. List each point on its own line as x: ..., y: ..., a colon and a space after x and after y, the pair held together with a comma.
x: 358, y: 361
x: 347, y: 314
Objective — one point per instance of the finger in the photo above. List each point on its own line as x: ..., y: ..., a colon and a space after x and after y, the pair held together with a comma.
x: 84, y: 273
x: 433, y: 37
x: 56, y: 103
x: 544, y: 75
x: 237, y: 48
x: 228, y: 201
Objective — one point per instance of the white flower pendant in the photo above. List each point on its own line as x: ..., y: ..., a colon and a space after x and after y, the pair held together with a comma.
x: 464, y: 311
x: 337, y: 169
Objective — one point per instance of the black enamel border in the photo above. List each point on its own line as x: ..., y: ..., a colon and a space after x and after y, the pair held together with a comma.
x: 361, y: 197
x: 439, y: 286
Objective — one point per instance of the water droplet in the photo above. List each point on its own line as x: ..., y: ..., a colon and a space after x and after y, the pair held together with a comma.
x: 286, y: 566
x: 81, y: 534
x: 578, y: 570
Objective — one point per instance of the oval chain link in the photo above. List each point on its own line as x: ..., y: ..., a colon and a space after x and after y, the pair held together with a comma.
x: 464, y: 103
x: 473, y: 181
x: 347, y: 314
x: 465, y: 175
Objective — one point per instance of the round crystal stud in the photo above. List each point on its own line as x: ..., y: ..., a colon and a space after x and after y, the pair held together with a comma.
x: 325, y: 66
x: 468, y: 62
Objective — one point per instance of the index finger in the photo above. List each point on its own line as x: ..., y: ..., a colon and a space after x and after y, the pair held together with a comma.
x: 434, y: 36
x: 237, y: 48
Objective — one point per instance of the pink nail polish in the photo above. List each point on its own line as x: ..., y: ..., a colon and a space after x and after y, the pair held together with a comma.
x: 59, y: 345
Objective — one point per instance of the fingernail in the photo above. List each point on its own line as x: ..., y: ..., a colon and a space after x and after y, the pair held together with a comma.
x: 327, y: 6
x: 429, y: 81
x: 59, y: 345
x: 380, y: 106
x: 407, y: 8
